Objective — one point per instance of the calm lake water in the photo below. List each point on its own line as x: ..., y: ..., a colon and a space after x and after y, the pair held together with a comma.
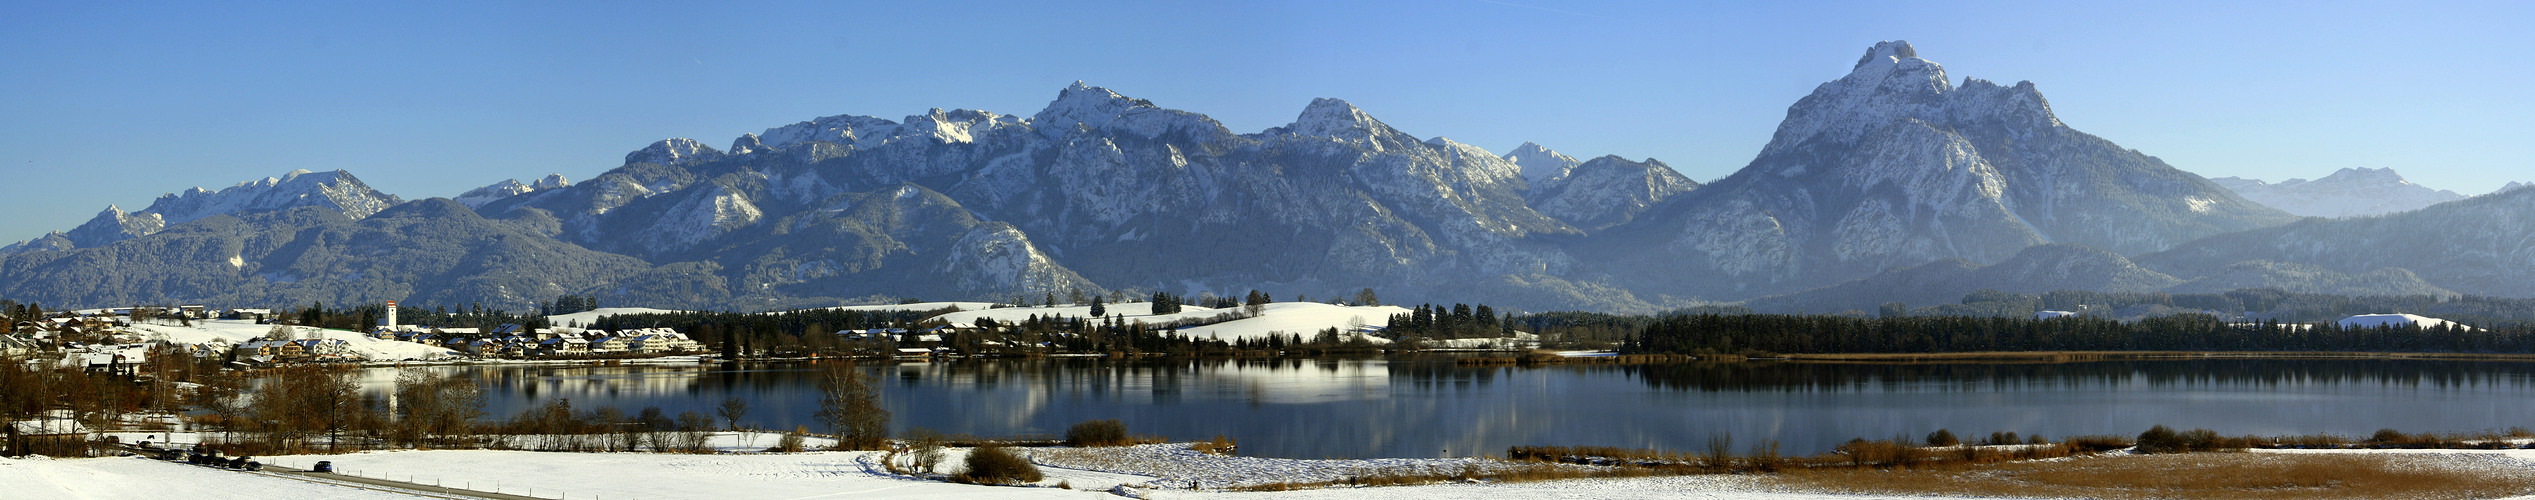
x: 1351, y: 408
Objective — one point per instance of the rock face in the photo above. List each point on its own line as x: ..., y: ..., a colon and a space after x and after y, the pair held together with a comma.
x: 1894, y: 166
x: 2349, y: 192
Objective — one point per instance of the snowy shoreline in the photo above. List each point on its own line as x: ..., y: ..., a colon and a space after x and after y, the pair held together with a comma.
x: 1147, y: 471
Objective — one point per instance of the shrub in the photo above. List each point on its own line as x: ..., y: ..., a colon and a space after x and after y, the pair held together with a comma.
x: 792, y: 441
x: 2160, y: 439
x: 996, y: 464
x: 1219, y: 446
x: 2389, y: 436
x: 2092, y: 444
x: 1943, y: 437
x: 925, y: 448
x: 1109, y: 432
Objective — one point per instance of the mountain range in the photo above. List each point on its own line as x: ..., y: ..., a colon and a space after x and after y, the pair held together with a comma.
x: 1892, y: 179
x: 2349, y: 192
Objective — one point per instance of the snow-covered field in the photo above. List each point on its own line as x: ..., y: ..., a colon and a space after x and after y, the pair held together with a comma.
x: 1298, y: 318
x: 236, y: 331
x: 38, y: 478
x: 1158, y: 471
x: 1130, y: 311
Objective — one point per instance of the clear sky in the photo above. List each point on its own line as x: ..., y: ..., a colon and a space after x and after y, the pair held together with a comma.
x: 116, y: 103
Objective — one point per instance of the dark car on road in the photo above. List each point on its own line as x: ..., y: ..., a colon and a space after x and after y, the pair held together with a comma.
x: 326, y: 466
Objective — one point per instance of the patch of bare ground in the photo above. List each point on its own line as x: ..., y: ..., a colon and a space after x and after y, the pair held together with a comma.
x: 2184, y: 476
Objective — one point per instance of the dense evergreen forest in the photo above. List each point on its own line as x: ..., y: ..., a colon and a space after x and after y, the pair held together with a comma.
x: 1762, y: 334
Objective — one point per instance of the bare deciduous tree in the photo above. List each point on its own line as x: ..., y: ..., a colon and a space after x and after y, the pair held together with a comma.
x: 851, y: 407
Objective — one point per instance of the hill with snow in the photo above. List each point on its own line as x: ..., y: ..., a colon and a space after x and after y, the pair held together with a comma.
x: 2395, y: 321
x: 233, y: 332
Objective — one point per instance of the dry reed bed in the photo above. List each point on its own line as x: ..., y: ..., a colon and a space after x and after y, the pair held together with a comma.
x: 2186, y: 476
x: 1179, y: 466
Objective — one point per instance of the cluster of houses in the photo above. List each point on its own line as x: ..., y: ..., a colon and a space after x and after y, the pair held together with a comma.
x: 515, y: 341
x: 285, y: 351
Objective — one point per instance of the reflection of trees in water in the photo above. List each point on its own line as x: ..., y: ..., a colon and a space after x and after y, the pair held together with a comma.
x: 1835, y: 377
x: 1442, y: 374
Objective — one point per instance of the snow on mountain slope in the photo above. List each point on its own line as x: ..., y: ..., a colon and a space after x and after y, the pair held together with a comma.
x: 478, y: 197
x: 592, y: 316
x: 2395, y: 321
x: 1541, y: 164
x: 336, y: 189
x: 2349, y: 192
x: 1892, y: 165
x: 1607, y: 191
x: 300, y: 188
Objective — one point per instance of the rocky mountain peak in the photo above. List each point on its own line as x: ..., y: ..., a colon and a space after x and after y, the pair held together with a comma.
x: 1083, y: 104
x: 1541, y: 164
x: 746, y: 144
x: 673, y: 151
x: 1888, y: 52
x: 551, y: 181
x: 1338, y: 119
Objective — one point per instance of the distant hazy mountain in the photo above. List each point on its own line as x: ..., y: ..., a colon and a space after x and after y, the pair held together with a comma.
x: 426, y: 252
x: 2350, y: 192
x: 2483, y: 245
x: 1894, y: 166
x: 2045, y: 268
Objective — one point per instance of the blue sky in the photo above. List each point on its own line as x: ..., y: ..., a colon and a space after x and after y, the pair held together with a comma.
x: 116, y: 103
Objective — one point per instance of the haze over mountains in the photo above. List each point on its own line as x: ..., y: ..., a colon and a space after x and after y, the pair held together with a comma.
x: 1892, y: 174
x: 2349, y: 192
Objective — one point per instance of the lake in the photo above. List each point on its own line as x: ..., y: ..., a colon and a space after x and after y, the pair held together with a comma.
x: 1355, y: 408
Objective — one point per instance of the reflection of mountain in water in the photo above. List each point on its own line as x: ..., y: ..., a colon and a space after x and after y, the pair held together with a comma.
x: 2256, y: 373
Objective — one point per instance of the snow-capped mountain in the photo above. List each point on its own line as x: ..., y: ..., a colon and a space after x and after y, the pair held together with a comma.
x: 478, y: 197
x: 299, y: 188
x: 1539, y: 163
x: 2349, y: 192
x: 1892, y: 165
x: 1607, y: 191
x: 1889, y: 180
x: 1128, y: 193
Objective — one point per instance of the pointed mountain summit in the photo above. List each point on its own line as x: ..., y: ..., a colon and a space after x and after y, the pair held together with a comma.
x: 1342, y: 121
x: 2349, y: 192
x: 1893, y: 166
x: 1540, y: 164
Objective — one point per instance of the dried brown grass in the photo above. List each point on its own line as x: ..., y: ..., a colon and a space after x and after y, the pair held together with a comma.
x: 1518, y: 474
x: 2185, y: 476
x: 1219, y: 446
